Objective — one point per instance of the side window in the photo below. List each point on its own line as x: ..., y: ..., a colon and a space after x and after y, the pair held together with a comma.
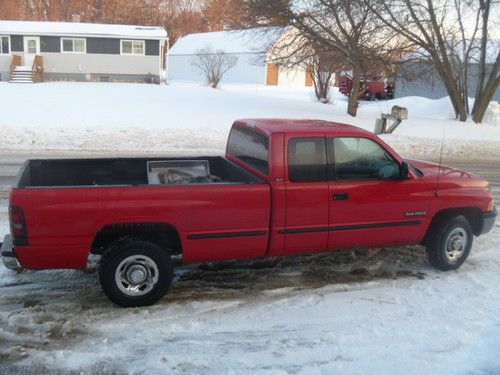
x: 73, y: 45
x: 362, y: 159
x: 307, y: 159
x: 132, y: 47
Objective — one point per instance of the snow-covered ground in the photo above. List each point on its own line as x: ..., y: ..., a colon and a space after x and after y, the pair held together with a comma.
x: 185, y: 117
x: 378, y: 312
x: 319, y: 314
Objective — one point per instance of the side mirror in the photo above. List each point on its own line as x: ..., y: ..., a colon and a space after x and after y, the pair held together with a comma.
x: 404, y: 170
x: 390, y: 171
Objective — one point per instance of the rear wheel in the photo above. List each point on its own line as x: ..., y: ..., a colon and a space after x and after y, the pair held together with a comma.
x: 450, y: 243
x: 135, y: 273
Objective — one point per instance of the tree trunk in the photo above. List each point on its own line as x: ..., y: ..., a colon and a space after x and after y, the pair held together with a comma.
x: 485, y: 6
x: 453, y: 90
x: 462, y: 108
x: 464, y: 84
x: 352, y: 107
x: 486, y: 96
x: 321, y: 82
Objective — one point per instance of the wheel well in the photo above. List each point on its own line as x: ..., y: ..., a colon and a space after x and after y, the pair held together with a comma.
x: 472, y: 214
x: 165, y: 235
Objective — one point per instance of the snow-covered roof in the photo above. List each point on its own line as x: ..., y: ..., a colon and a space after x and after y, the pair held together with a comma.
x: 235, y: 41
x: 77, y: 28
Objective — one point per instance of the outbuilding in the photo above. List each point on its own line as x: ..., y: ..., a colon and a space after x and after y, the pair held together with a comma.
x: 73, y: 51
x: 253, y: 49
x: 417, y: 76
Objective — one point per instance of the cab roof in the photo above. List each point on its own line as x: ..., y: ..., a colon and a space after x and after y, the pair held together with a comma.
x: 270, y: 126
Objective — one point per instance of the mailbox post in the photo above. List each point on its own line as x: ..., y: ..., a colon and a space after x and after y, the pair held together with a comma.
x: 397, y: 115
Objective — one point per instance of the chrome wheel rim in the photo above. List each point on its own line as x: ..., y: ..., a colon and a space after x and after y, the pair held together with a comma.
x: 136, y: 275
x: 456, y: 243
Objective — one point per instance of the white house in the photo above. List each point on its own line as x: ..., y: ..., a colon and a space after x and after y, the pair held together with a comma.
x: 252, y: 47
x: 81, y: 51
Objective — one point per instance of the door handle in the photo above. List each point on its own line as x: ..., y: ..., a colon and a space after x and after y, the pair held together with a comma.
x: 340, y: 196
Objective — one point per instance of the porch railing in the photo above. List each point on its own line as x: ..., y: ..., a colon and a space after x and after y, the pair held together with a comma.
x: 16, y: 61
x: 37, y: 69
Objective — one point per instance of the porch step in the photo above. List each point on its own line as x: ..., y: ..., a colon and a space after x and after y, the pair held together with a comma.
x: 23, y: 68
x: 22, y: 74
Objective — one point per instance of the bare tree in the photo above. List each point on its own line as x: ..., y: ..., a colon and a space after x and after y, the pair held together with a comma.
x: 446, y: 33
x: 322, y: 71
x: 486, y: 86
x: 179, y: 17
x: 322, y: 67
x: 346, y: 27
x: 213, y: 64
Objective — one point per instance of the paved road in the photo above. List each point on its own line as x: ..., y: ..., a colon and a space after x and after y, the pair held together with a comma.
x: 488, y: 170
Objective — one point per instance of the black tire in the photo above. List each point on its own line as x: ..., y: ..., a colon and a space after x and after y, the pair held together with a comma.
x: 441, y: 240
x: 152, y: 258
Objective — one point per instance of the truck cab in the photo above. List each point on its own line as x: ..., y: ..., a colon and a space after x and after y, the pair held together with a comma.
x: 332, y: 186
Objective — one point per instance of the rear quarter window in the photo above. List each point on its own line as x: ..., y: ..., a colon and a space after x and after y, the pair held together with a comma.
x: 250, y: 146
x: 307, y: 159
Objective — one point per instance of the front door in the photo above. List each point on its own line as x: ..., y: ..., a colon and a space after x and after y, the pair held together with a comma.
x: 31, y: 49
x: 307, y: 195
x: 371, y: 205
x: 272, y: 74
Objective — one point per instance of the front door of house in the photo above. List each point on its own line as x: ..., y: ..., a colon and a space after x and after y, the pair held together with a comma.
x: 31, y: 49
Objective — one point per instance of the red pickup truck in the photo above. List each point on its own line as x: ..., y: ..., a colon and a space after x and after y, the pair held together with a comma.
x: 284, y: 187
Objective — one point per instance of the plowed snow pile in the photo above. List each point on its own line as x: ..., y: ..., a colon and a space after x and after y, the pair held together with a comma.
x: 184, y: 117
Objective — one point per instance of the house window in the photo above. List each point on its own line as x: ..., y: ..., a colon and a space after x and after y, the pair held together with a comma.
x: 132, y: 47
x: 4, y: 45
x: 73, y: 45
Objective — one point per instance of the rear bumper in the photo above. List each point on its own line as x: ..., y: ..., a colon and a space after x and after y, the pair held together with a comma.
x: 488, y: 220
x: 8, y: 256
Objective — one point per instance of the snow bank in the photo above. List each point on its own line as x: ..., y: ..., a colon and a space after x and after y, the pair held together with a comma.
x: 185, y: 117
x: 492, y: 116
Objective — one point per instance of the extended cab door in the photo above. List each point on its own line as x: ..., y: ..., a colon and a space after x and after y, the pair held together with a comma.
x: 307, y: 194
x: 371, y: 205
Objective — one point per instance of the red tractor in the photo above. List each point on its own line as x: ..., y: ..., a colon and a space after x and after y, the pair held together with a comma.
x: 368, y: 89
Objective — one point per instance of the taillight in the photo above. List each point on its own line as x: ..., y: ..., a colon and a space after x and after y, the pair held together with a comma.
x: 17, y: 222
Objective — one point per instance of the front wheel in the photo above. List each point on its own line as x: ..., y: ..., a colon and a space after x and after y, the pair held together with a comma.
x: 135, y: 273
x: 450, y: 243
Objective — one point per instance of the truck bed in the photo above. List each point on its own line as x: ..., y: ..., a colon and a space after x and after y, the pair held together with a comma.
x: 116, y: 172
x: 68, y: 203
